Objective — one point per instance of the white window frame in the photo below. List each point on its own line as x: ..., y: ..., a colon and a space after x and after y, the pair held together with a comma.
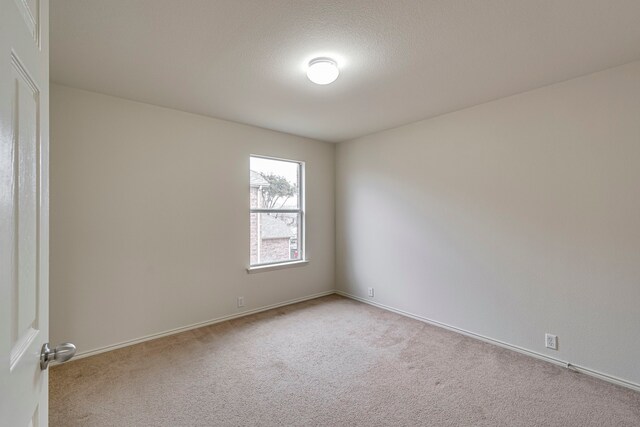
x: 299, y: 210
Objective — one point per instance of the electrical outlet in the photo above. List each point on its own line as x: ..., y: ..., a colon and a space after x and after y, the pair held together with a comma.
x: 371, y: 292
x: 240, y: 302
x: 551, y: 341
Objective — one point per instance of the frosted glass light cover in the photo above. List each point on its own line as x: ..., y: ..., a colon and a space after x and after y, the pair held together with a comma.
x: 322, y: 71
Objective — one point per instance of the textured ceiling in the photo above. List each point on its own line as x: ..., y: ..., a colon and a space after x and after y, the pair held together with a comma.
x: 401, y: 61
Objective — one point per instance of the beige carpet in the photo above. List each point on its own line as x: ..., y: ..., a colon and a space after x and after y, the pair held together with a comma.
x: 329, y: 362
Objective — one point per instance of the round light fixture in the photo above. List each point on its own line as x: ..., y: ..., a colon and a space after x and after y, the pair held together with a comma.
x: 323, y: 71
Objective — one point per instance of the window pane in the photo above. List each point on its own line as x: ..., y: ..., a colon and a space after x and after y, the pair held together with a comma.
x: 275, y: 237
x: 274, y: 183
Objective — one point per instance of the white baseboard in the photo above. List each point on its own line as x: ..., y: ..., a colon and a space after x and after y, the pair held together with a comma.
x: 581, y: 369
x: 127, y: 343
x: 578, y: 368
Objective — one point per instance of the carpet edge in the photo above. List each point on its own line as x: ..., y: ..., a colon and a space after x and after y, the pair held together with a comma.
x: 584, y: 370
x: 99, y: 350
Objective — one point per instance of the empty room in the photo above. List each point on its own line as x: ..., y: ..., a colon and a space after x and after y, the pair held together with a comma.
x: 319, y: 213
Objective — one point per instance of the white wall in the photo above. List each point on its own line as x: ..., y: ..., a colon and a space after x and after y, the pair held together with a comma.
x: 150, y: 221
x: 509, y: 219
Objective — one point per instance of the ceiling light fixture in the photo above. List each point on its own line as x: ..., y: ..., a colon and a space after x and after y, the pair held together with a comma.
x: 323, y: 71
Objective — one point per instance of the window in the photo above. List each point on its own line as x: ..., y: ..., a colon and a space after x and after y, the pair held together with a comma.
x: 277, y: 210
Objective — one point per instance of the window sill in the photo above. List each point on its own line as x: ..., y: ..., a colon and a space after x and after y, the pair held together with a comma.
x: 279, y: 266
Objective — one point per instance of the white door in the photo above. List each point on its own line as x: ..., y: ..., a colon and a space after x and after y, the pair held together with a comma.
x: 24, y: 210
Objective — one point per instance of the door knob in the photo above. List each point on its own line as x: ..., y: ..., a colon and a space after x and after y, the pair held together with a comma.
x: 60, y: 354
